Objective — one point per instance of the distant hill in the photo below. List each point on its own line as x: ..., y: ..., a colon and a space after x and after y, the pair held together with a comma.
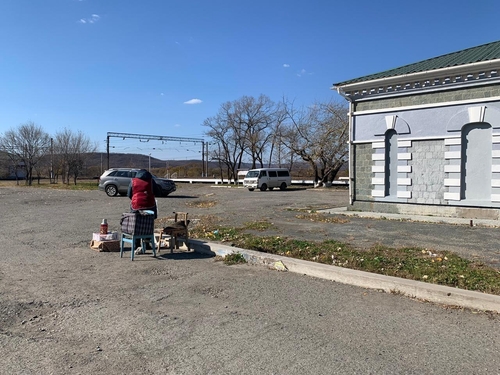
x: 97, y: 162
x: 119, y: 160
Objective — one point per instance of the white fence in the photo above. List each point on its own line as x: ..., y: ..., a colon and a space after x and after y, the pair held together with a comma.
x: 217, y: 181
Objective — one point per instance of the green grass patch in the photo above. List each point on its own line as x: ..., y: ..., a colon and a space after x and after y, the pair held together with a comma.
x: 443, y: 268
x: 259, y: 225
x: 322, y: 218
x: 234, y: 258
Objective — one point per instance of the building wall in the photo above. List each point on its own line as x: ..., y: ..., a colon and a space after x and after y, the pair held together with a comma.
x: 363, y: 170
x: 431, y: 160
x: 431, y: 98
x: 427, y: 174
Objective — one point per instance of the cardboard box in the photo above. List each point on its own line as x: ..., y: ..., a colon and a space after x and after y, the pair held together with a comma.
x: 111, y: 236
x: 105, y: 246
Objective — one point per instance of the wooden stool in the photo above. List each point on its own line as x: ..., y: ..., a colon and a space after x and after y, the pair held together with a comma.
x: 178, y: 231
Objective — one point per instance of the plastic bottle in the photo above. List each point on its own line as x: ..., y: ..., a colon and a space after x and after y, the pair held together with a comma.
x: 104, y: 226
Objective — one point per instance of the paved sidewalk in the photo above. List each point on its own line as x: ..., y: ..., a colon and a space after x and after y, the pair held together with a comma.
x: 421, y: 218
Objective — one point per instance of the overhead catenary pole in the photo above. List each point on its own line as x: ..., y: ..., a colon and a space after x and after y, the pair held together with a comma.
x: 52, y: 160
x: 203, y: 174
x: 206, y: 145
x: 147, y: 137
x: 107, y: 149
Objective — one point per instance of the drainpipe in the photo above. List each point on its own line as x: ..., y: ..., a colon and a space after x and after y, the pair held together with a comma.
x: 351, y: 163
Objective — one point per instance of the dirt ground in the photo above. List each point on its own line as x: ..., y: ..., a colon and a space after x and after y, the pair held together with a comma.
x: 66, y: 309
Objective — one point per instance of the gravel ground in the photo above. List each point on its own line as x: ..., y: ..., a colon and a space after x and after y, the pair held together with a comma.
x: 66, y: 309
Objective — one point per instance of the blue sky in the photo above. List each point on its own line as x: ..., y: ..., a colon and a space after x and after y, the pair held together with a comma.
x: 161, y: 67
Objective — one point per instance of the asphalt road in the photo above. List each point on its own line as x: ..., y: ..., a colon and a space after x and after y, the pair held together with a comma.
x: 66, y: 309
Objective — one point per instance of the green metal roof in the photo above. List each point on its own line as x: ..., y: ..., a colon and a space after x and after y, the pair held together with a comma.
x: 485, y: 52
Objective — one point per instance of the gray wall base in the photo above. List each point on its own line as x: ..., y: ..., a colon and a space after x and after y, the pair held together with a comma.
x: 427, y: 210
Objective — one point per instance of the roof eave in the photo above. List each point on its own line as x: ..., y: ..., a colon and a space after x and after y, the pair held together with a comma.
x: 459, y: 70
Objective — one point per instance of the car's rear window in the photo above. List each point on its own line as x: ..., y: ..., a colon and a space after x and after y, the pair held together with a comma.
x: 122, y: 174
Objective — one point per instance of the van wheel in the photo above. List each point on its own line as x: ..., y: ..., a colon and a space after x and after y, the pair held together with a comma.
x: 283, y: 186
x: 111, y: 190
x: 263, y: 187
x: 251, y: 189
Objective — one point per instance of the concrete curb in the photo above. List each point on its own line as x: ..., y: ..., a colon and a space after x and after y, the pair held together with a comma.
x: 410, y: 288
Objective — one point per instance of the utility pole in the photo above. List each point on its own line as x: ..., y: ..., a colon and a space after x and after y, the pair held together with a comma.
x: 52, y: 160
x: 206, y: 153
x: 203, y: 174
x: 107, y: 149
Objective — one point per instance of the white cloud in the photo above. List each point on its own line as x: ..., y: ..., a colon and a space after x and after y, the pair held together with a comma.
x: 286, y: 65
x: 162, y: 94
x: 304, y: 72
x: 193, y: 101
x: 92, y: 19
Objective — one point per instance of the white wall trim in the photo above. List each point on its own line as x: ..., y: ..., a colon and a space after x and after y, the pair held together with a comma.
x: 451, y: 182
x: 378, y: 193
x: 430, y: 138
x: 452, y: 168
x: 378, y: 157
x: 404, y: 181
x: 378, y: 169
x: 404, y: 143
x: 476, y: 114
x: 430, y: 105
x: 378, y: 145
x: 404, y: 168
x: 452, y: 141
x: 404, y: 194
x: 452, y: 196
x: 452, y: 155
x: 404, y: 156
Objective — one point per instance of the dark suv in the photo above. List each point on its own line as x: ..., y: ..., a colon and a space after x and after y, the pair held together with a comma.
x: 116, y: 181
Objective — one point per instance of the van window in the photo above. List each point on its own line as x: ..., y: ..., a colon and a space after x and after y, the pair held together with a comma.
x: 273, y: 174
x: 263, y: 174
x: 283, y: 173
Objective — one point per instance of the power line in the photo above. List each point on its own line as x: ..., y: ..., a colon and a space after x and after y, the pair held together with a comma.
x: 162, y: 138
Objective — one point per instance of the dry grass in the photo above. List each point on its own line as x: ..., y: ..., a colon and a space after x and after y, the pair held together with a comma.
x: 201, y: 203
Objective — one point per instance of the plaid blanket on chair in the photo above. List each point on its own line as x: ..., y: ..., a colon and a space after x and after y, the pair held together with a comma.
x: 137, y: 223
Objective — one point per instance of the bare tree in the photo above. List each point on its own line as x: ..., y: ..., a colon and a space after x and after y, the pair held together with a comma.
x: 242, y: 129
x: 319, y: 135
x: 26, y: 146
x: 229, y: 146
x: 72, y: 150
x: 253, y: 120
x: 279, y: 154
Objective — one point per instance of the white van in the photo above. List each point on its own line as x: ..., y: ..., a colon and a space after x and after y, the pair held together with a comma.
x: 267, y: 178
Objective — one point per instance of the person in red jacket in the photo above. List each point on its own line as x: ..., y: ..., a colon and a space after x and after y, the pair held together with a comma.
x: 142, y: 191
